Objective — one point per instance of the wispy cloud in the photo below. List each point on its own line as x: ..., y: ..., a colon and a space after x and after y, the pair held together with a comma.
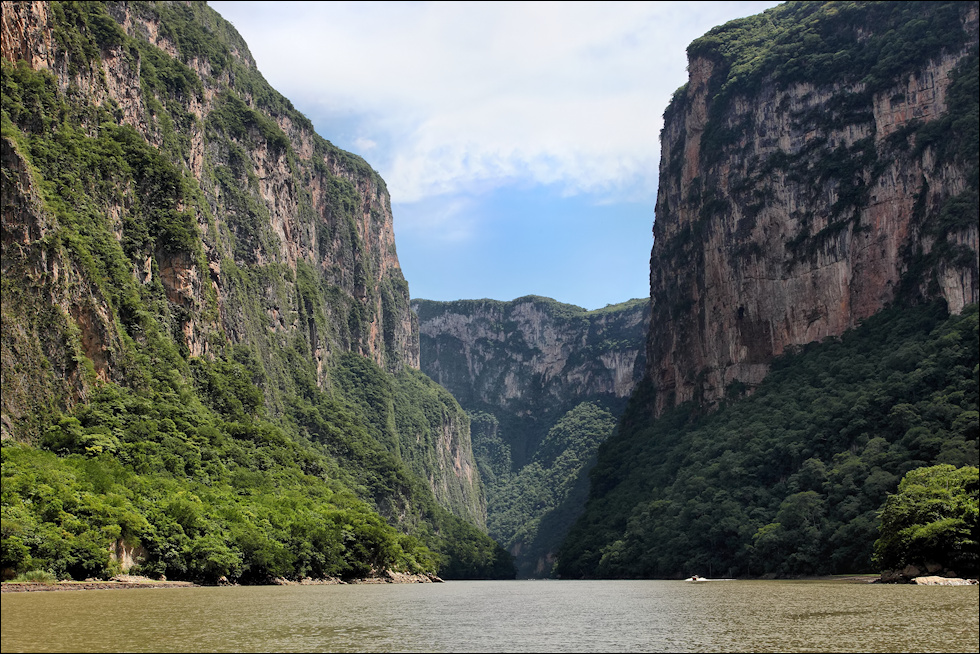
x: 448, y: 98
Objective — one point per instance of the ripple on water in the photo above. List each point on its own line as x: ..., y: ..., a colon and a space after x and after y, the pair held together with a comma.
x: 514, y: 616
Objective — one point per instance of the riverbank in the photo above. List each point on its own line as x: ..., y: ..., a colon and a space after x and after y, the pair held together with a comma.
x: 122, y: 581
x: 132, y: 581
x: 887, y: 578
x: 387, y: 577
x: 848, y: 579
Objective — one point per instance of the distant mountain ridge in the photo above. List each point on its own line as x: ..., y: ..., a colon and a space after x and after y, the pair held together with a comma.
x: 532, y: 357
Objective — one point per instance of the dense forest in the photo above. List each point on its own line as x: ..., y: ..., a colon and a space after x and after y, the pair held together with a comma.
x: 531, y: 508
x: 789, y: 481
x: 192, y: 480
x: 253, y: 458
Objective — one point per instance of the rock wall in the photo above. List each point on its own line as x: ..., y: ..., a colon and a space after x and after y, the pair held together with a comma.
x: 249, y: 230
x: 790, y: 211
x: 544, y: 384
x: 291, y: 179
x: 501, y: 353
x: 532, y: 358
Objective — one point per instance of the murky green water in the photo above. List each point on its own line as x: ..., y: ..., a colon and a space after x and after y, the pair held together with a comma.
x: 514, y: 616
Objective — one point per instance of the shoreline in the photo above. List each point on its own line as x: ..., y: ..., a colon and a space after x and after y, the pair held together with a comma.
x: 129, y: 581
x: 868, y: 578
x: 36, y: 586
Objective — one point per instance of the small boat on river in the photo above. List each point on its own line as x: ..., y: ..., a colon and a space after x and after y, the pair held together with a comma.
x: 695, y: 579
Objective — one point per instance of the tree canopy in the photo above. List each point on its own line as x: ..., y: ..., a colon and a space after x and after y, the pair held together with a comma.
x: 790, y: 480
x: 932, y: 520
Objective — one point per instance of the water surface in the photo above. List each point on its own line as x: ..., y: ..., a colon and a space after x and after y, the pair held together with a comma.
x: 501, y: 616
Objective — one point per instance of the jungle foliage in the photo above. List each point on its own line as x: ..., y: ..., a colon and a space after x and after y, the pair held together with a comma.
x: 790, y: 480
x: 932, y: 519
x: 242, y: 464
x: 197, y: 492
x: 192, y: 479
x: 534, y: 507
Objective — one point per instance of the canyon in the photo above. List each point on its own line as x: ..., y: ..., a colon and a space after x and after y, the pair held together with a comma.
x: 543, y: 383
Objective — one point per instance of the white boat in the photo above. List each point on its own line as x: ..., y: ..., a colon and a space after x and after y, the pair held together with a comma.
x: 696, y: 579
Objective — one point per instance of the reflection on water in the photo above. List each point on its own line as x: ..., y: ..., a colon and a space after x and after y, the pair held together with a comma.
x: 511, y: 616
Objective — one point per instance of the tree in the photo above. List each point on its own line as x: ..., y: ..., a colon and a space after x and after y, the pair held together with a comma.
x: 932, y: 520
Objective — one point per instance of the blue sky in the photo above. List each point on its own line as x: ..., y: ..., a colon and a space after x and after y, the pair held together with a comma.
x: 519, y: 141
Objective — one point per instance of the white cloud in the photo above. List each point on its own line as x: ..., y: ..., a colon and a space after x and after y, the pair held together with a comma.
x: 447, y: 98
x: 364, y: 144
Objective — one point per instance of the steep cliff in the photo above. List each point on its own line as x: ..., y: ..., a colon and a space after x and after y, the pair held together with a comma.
x: 167, y: 215
x: 820, y: 164
x: 544, y: 383
x: 531, y: 358
x: 814, y: 288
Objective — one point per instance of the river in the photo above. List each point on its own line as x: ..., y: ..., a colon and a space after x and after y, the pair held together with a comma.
x: 501, y: 616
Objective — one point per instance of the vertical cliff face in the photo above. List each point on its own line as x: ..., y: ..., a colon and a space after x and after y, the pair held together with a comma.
x: 157, y: 193
x: 275, y: 196
x: 801, y: 194
x: 275, y: 193
x: 533, y: 354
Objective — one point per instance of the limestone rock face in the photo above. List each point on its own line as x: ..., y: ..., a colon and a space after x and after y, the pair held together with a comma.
x: 289, y: 180
x: 278, y: 241
x: 532, y: 357
x: 791, y: 211
x: 501, y: 353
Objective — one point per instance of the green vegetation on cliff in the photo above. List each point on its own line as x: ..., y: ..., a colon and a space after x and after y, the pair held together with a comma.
x: 821, y: 165
x: 191, y: 495
x: 258, y: 456
x: 824, y: 43
x: 196, y: 484
x: 531, y: 510
x: 790, y: 480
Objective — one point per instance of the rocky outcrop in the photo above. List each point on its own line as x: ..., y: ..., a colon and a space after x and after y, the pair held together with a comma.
x: 927, y: 575
x: 127, y: 556
x: 944, y: 581
x: 792, y: 206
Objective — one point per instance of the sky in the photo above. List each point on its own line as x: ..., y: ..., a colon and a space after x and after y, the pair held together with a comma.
x: 519, y: 140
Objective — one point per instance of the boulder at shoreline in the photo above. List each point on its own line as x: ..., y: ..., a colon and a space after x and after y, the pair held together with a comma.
x: 943, y: 581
